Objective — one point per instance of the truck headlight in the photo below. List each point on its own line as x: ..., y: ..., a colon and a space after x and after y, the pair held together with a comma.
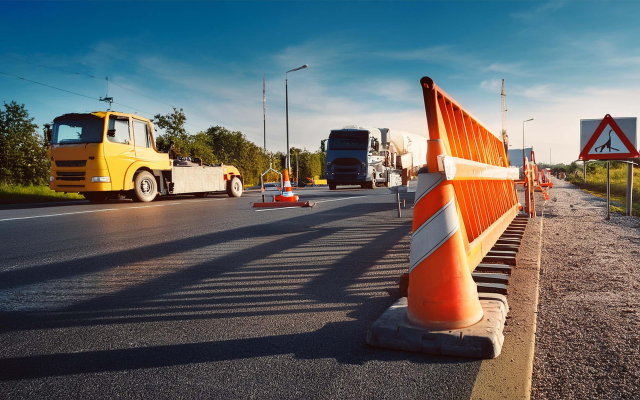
x: 51, y: 179
x: 102, y: 179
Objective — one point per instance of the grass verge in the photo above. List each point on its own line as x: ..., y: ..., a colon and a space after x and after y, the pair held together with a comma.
x: 597, y: 185
x: 16, y: 194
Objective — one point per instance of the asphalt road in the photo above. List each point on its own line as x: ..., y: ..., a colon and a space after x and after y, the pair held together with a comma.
x: 209, y: 298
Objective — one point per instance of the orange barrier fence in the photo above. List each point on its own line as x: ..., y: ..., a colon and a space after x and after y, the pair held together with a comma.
x: 483, y: 182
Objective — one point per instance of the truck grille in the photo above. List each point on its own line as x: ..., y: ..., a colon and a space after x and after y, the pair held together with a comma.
x: 71, y: 163
x: 70, y: 176
x: 343, y: 176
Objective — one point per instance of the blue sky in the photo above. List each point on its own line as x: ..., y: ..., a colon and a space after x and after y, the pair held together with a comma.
x: 561, y: 61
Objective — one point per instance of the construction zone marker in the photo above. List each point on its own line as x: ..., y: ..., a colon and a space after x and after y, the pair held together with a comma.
x: 287, y: 194
x: 286, y: 199
x: 465, y: 201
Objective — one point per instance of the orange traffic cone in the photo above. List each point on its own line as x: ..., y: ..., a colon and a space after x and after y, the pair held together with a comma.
x: 442, y: 294
x: 287, y: 193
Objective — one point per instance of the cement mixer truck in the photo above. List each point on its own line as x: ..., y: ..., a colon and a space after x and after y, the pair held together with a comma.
x: 372, y: 157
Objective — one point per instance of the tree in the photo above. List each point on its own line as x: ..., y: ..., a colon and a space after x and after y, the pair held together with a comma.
x: 23, y: 152
x: 173, y: 125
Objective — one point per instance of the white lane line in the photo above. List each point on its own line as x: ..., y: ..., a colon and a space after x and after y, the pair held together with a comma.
x: 276, y: 209
x: 342, y: 198
x: 103, y: 210
x: 319, y: 201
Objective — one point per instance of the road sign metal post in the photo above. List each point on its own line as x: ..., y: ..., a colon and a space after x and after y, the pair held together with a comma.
x: 608, y: 191
x: 629, y: 188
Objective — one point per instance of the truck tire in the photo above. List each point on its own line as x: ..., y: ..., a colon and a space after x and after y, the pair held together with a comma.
x: 332, y: 186
x: 96, y: 197
x: 145, y: 187
x: 234, y: 187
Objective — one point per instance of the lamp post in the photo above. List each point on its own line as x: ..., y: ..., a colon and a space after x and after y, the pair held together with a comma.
x: 286, y: 90
x: 523, y: 152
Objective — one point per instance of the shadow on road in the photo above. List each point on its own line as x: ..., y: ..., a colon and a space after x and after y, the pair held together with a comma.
x: 302, y: 266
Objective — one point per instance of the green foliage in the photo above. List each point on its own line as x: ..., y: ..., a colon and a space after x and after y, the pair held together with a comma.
x: 220, y: 145
x: 23, y: 152
x: 597, y: 180
x: 13, y: 194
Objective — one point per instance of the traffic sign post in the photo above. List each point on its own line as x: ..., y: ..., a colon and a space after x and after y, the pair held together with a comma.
x: 610, y: 139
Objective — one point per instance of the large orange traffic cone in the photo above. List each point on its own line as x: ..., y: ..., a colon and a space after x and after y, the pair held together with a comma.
x: 442, y: 294
x: 287, y: 193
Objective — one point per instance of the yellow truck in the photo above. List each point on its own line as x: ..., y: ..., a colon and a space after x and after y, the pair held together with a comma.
x: 107, y: 154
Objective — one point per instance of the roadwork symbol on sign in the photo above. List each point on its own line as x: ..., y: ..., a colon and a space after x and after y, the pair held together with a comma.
x: 608, y: 141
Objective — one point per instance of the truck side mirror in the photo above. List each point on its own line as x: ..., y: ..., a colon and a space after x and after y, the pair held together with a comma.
x: 323, y: 147
x: 376, y: 145
x: 48, y: 133
x: 111, y: 133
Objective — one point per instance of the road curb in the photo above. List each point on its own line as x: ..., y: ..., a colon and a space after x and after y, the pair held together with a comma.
x: 509, y: 375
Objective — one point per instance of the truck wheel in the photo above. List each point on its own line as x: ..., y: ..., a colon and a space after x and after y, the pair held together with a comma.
x: 96, y: 197
x: 145, y: 187
x: 201, y: 195
x: 234, y: 187
x: 332, y: 186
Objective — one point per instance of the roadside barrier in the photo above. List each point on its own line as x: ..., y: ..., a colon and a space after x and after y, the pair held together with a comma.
x: 465, y: 201
x: 529, y: 182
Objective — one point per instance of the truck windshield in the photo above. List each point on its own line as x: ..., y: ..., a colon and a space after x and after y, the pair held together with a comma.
x: 348, y: 140
x: 78, y: 129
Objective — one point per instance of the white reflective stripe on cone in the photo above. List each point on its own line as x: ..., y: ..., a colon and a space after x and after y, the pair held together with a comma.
x: 287, y: 184
x: 426, y: 183
x: 433, y: 233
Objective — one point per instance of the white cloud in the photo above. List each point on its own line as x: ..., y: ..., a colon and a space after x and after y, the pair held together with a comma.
x: 507, y: 68
x: 491, y: 85
x: 539, y: 10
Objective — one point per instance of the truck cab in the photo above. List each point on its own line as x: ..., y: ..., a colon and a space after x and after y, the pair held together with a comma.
x: 354, y: 157
x: 105, y: 154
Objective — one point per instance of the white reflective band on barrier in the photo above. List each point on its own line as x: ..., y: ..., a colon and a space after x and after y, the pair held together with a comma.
x: 433, y: 233
x: 287, y: 184
x: 467, y: 169
x: 426, y: 183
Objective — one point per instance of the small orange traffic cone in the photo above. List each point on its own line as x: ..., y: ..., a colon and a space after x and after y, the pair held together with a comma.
x: 287, y: 193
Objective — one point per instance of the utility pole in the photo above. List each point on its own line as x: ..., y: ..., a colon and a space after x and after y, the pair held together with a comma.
x: 264, y: 110
x: 505, y: 137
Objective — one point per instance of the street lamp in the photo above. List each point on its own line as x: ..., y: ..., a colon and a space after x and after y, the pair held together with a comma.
x: 286, y: 90
x: 523, y: 153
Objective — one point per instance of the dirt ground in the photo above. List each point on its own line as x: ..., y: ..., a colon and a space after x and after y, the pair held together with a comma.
x: 587, y: 340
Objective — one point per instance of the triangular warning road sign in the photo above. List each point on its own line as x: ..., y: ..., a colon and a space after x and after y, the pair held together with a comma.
x: 608, y: 142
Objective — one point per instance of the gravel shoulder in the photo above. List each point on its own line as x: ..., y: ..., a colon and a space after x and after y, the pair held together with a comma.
x: 587, y: 339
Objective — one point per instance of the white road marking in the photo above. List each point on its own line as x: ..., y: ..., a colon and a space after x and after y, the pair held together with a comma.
x: 342, y: 198
x: 319, y: 201
x: 275, y: 209
x: 104, y: 210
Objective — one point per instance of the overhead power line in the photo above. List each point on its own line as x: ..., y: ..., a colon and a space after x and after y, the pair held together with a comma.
x: 49, y: 86
x: 128, y: 90
x: 92, y: 98
x: 85, y: 96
